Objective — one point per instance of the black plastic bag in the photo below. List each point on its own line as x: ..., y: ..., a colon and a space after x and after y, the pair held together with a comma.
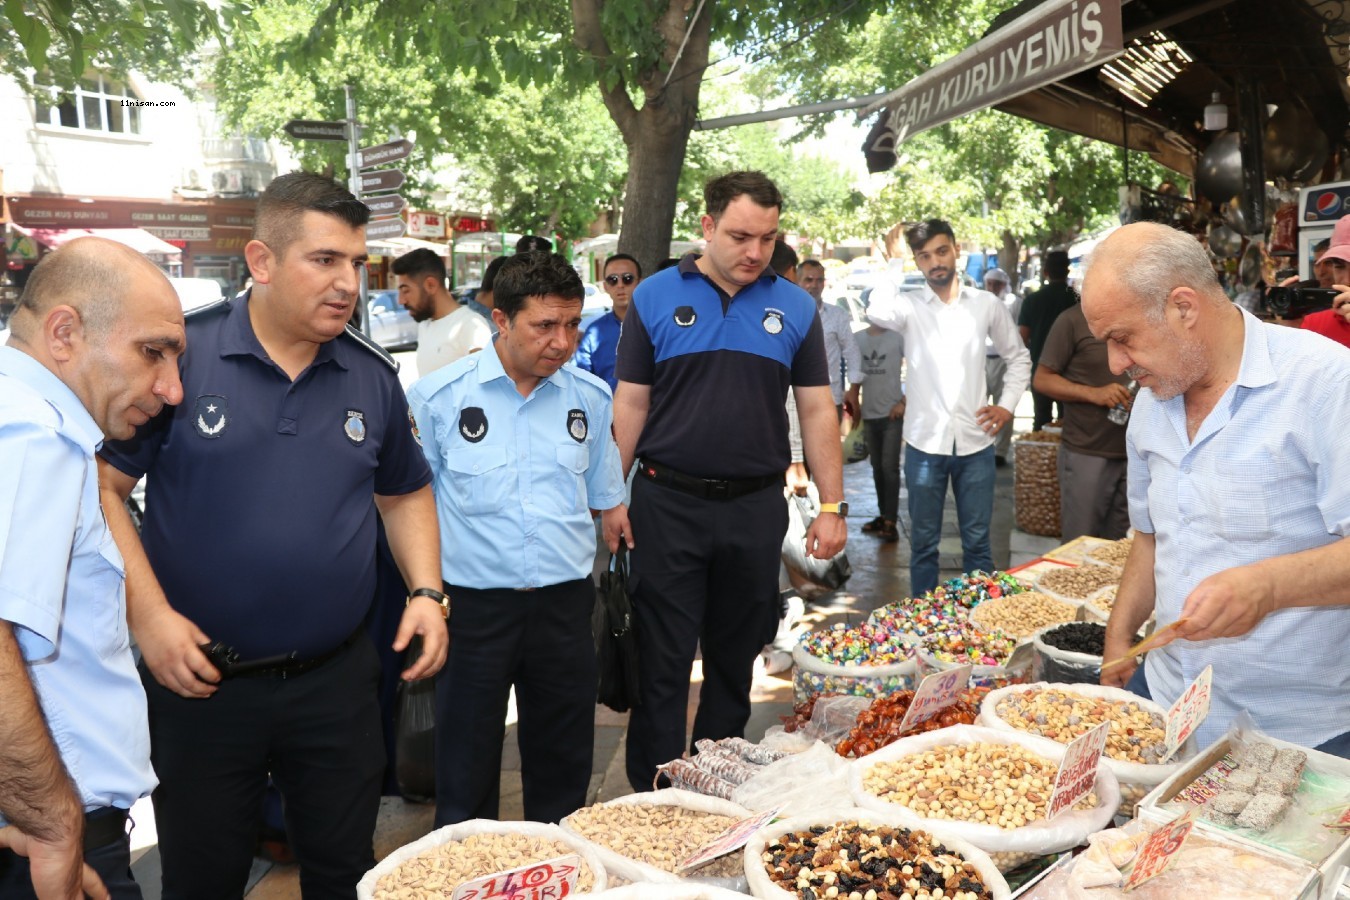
x: 415, y: 725
x: 828, y: 574
x: 616, y: 650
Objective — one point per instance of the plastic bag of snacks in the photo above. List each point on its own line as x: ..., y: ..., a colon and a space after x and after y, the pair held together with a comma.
x: 643, y: 837
x: 1136, y: 741
x: 1012, y: 827
x: 797, y: 785
x: 887, y: 838
x: 1069, y: 653
x: 449, y: 856
x: 866, y: 661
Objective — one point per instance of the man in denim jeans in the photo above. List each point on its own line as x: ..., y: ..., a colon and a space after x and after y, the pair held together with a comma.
x: 949, y: 429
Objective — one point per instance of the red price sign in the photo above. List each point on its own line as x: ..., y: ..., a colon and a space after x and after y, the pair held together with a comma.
x: 1157, y: 853
x: 549, y: 880
x: 1078, y: 770
x: 733, y: 838
x: 1189, y: 711
x: 936, y: 692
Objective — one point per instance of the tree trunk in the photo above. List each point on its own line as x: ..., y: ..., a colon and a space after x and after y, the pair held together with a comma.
x: 1009, y: 256
x: 655, y: 159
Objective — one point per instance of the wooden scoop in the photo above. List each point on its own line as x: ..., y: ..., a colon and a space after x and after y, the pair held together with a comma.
x: 1160, y: 638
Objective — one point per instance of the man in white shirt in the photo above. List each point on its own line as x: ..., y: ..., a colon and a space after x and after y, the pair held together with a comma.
x: 840, y: 346
x: 446, y: 330
x: 949, y: 429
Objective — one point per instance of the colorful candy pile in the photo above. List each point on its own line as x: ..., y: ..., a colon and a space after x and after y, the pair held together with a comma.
x: 945, y: 608
x: 865, y: 645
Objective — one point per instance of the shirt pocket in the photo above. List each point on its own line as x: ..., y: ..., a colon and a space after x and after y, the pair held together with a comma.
x: 107, y: 591
x: 573, y: 460
x: 1248, y: 502
x: 479, y: 479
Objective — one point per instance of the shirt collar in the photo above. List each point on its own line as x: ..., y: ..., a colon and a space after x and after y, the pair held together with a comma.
x: 1256, y: 369
x: 689, y: 266
x: 931, y: 296
x: 75, y: 418
x: 237, y: 338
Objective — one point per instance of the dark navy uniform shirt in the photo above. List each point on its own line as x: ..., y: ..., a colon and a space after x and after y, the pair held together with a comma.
x: 260, y: 512
x: 719, y: 368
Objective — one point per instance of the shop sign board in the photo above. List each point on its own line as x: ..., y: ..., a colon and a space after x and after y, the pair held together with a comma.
x: 426, y: 225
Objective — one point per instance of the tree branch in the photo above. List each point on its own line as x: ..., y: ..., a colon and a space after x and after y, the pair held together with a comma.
x: 589, y: 38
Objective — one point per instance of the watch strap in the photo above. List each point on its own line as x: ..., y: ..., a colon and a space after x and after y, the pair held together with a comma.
x: 439, y: 596
x: 839, y: 509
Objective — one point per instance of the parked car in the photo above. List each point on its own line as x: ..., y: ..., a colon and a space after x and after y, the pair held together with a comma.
x: 195, y: 292
x: 391, y: 325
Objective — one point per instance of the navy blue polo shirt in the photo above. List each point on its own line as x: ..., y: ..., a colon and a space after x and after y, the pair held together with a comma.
x: 719, y: 368
x: 260, y: 511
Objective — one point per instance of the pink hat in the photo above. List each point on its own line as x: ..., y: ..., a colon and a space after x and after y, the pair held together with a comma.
x: 1340, y: 241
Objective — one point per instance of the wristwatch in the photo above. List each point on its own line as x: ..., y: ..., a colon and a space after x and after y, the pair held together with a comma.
x: 840, y: 509
x: 440, y: 597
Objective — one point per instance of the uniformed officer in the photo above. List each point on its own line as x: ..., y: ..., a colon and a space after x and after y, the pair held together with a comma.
x: 706, y: 357
x: 94, y: 349
x: 521, y: 451
x: 259, y: 536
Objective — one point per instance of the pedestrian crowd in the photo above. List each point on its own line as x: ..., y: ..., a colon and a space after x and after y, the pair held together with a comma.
x: 290, y: 479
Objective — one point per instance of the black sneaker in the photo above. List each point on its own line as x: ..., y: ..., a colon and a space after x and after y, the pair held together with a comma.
x: 888, y: 533
x: 875, y: 525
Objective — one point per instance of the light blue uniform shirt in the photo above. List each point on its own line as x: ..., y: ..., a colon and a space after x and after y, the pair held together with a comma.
x: 62, y: 586
x: 1265, y: 476
x: 516, y: 477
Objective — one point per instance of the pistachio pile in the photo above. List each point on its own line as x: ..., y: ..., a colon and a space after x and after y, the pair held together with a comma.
x: 1022, y: 615
x: 1078, y: 583
x: 661, y: 836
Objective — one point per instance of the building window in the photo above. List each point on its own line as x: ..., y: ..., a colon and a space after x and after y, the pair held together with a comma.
x: 95, y: 104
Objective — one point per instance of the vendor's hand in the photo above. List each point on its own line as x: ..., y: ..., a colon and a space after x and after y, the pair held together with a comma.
x: 992, y: 418
x: 1112, y: 395
x: 1118, y: 675
x: 57, y: 870
x: 826, y: 536
x: 1226, y: 604
x: 616, y: 527
x: 897, y: 411
x: 171, y: 647
x: 426, y: 617
x: 797, y: 481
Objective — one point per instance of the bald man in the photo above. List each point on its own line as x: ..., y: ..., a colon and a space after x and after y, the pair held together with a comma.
x: 93, y: 353
x: 1237, y: 494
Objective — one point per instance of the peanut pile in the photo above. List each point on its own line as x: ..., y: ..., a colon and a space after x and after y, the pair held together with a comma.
x: 1136, y: 735
x: 661, y: 836
x: 1004, y: 785
x: 853, y: 861
x: 434, y: 875
x: 1079, y: 582
x: 1022, y: 615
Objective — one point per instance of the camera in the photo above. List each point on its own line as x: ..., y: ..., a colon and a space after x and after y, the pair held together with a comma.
x: 1297, y: 300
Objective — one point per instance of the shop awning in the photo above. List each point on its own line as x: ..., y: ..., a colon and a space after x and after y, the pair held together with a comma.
x: 401, y: 245
x: 137, y: 239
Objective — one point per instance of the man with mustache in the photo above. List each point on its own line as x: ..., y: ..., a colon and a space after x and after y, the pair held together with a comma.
x: 259, y: 537
x: 1236, y: 449
x: 949, y: 430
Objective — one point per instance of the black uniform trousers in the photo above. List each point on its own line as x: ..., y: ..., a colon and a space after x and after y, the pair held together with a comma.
x: 703, y: 572
x: 539, y: 641
x: 111, y: 860
x: 317, y: 733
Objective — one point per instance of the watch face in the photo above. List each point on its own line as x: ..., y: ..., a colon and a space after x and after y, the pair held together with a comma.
x: 843, y: 508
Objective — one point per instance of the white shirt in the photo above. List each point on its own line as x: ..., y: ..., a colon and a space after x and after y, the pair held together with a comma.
x: 1264, y: 477
x: 840, y: 346
x: 1013, y: 301
x: 444, y: 340
x: 944, y: 351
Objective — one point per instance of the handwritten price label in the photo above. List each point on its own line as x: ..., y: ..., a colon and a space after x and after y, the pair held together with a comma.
x: 549, y: 880
x: 733, y: 838
x: 937, y: 692
x: 1158, y: 852
x: 1078, y: 770
x: 1189, y: 711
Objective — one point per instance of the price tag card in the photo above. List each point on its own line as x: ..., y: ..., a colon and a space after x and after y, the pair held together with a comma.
x: 1189, y: 711
x: 1078, y: 770
x: 1159, y: 851
x: 549, y: 880
x: 733, y: 838
x: 936, y: 692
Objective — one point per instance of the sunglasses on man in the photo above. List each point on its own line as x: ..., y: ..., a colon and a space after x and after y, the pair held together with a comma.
x: 626, y: 278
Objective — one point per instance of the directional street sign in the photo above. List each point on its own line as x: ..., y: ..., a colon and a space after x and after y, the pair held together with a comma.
x: 385, y: 153
x: 385, y: 228
x: 309, y: 130
x: 386, y: 205
x: 383, y: 180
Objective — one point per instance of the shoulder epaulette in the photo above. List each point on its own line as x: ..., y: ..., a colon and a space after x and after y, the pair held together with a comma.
x: 366, y: 342
x: 215, y: 307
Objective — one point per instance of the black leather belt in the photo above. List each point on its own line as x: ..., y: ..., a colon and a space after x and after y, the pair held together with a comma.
x: 287, y: 665
x: 706, y: 488
x: 104, y: 826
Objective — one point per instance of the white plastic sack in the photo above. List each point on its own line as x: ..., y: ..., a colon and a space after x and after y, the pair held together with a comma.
x: 1068, y: 829
x: 814, y: 676
x: 672, y: 892
x: 1064, y: 666
x: 629, y: 869
x: 763, y: 887
x: 809, y: 781
x: 365, y: 889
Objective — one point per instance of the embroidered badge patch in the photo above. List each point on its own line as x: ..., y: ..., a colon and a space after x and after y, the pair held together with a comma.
x: 773, y: 321
x: 685, y: 316
x: 473, y: 424
x: 210, y: 416
x: 355, y: 426
x: 577, y: 426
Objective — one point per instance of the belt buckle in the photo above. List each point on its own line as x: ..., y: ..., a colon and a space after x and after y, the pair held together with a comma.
x: 718, y: 490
